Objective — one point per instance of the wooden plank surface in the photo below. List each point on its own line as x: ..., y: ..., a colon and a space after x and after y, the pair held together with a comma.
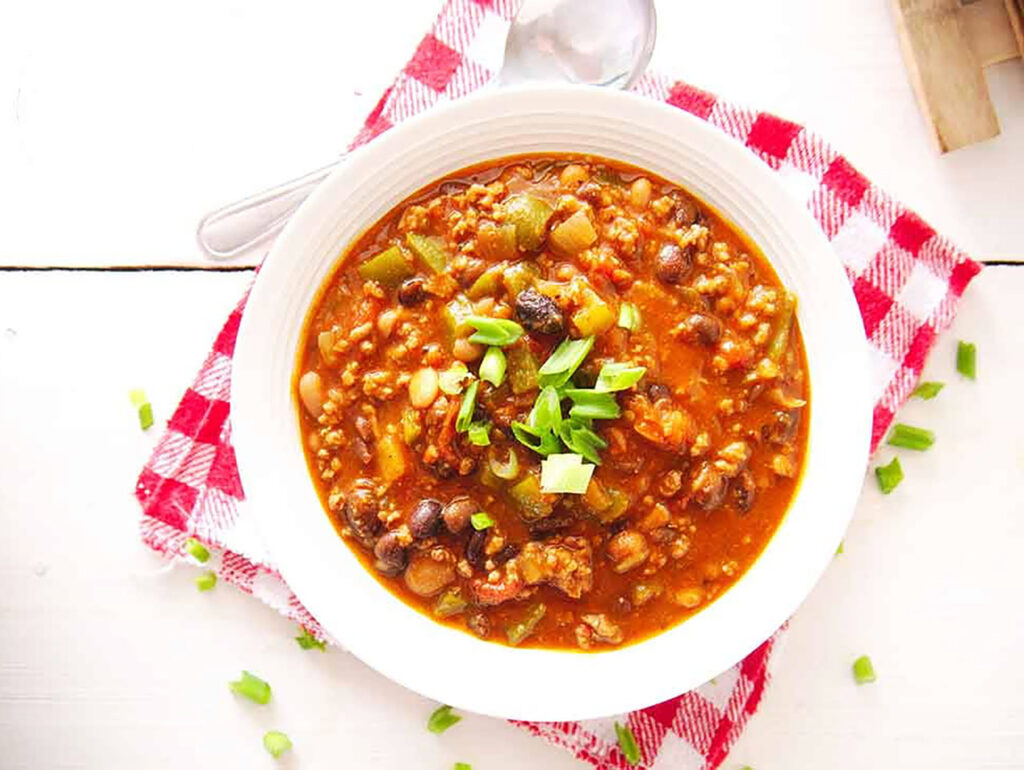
x: 947, y: 78
x: 108, y: 662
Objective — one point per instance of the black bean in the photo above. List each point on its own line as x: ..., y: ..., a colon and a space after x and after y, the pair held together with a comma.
x: 456, y: 514
x: 782, y: 426
x: 505, y: 554
x: 672, y: 263
x: 538, y: 313
x: 705, y: 329
x: 391, y: 554
x: 475, y: 549
x: 360, y: 512
x: 425, y: 519
x: 744, y: 490
x: 412, y: 291
x: 550, y: 524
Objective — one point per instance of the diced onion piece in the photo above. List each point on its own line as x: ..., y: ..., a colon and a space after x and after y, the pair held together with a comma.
x: 507, y: 469
x: 574, y: 234
x: 566, y: 474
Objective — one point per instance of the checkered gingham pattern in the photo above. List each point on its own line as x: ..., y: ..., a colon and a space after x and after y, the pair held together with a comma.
x: 907, y: 280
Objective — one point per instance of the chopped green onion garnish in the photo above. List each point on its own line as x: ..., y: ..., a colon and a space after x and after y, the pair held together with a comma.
x: 442, y: 719
x: 504, y: 469
x: 197, y: 550
x: 547, y: 410
x: 277, y: 743
x: 909, y: 437
x: 143, y: 407
x: 615, y: 376
x: 629, y: 316
x: 627, y: 742
x: 565, y: 360
x: 928, y: 390
x: 592, y: 404
x: 543, y: 442
x: 251, y: 687
x: 492, y: 368
x: 479, y: 433
x: 494, y: 331
x: 309, y: 642
x: 465, y: 416
x: 565, y: 474
x: 206, y: 581
x: 839, y: 549
x: 889, y: 476
x: 581, y: 439
x: 453, y: 379
x: 463, y: 766
x: 481, y: 521
x: 863, y: 670
x: 966, y: 354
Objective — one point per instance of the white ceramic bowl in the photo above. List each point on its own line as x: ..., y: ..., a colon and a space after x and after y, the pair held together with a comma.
x: 454, y: 667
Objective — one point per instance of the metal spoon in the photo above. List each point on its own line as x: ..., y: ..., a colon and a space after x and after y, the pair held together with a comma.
x: 591, y: 42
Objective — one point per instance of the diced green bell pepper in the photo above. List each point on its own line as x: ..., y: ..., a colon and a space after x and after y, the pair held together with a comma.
x: 389, y: 268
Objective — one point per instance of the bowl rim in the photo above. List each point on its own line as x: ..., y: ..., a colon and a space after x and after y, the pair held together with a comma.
x: 406, y: 641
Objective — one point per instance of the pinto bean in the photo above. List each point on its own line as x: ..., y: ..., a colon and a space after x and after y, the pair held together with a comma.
x: 425, y: 519
x: 705, y: 329
x: 744, y: 490
x: 686, y: 213
x: 456, y: 514
x: 391, y: 554
x: 538, y: 313
x: 709, y: 487
x: 312, y: 393
x: 628, y: 550
x: 673, y: 263
x: 412, y: 291
x: 428, y: 573
x: 360, y: 512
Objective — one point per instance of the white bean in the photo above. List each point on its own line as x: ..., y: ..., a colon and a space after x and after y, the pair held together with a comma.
x: 311, y: 391
x: 423, y: 388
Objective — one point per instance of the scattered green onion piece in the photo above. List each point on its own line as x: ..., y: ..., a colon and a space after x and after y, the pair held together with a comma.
x: 521, y: 629
x: 966, y: 354
x: 629, y: 316
x: 481, y: 521
x: 547, y: 410
x: 565, y: 474
x: 465, y: 416
x: 909, y: 437
x: 889, y: 476
x: 615, y: 376
x: 453, y: 379
x: 479, y: 433
x: 197, y: 550
x: 627, y: 742
x: 142, y: 407
x: 463, y: 766
x: 492, y: 368
x: 507, y: 469
x: 206, y: 581
x: 839, y: 549
x: 309, y: 642
x: 581, y: 439
x: 592, y: 404
x: 442, y: 719
x: 564, y: 361
x: 276, y: 742
x: 543, y: 442
x: 498, y: 332
x: 928, y: 390
x: 863, y: 670
x: 251, y: 687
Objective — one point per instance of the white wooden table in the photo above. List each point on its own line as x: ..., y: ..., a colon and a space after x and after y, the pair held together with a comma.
x: 121, y: 124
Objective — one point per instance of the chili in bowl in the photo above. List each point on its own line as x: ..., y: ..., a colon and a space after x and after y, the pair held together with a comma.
x: 551, y: 382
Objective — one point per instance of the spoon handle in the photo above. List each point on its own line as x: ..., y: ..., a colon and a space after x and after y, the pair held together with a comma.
x: 250, y: 222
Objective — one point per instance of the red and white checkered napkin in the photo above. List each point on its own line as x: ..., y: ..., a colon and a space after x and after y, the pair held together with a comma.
x: 907, y: 280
